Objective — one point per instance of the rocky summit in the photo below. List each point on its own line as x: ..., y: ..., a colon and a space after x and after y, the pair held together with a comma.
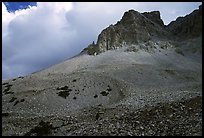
x: 135, y: 28
x: 141, y: 78
x: 189, y: 26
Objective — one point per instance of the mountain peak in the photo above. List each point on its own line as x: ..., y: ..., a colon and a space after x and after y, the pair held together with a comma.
x: 133, y: 28
x: 136, y: 27
x: 129, y: 17
x: 132, y: 16
x: 189, y: 26
x: 155, y: 17
x: 200, y: 7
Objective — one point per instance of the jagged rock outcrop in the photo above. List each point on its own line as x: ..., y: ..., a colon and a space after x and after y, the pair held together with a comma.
x: 91, y: 49
x: 155, y: 17
x: 135, y: 27
x: 187, y: 27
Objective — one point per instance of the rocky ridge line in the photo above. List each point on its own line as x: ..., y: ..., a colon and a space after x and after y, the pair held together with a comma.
x: 135, y: 28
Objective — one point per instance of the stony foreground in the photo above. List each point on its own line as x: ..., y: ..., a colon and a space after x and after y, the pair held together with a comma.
x: 183, y: 118
x: 140, y: 79
x: 118, y: 97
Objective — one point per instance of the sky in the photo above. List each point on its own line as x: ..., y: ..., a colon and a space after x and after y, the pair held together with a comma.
x: 38, y: 35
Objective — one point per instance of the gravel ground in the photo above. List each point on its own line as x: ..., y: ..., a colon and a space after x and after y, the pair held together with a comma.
x: 156, y: 92
x: 183, y: 118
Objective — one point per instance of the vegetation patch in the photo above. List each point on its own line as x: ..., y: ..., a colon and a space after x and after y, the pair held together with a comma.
x: 13, y: 79
x: 92, y: 49
x: 16, y: 103
x: 8, y: 93
x: 168, y: 118
x: 65, y: 91
x: 6, y: 83
x: 22, y: 100
x: 63, y: 88
x: 74, y: 98
x: 162, y: 47
x: 8, y: 87
x: 197, y: 87
x: 99, y: 112
x: 172, y: 72
x: 64, y: 94
x: 194, y: 103
x: 5, y: 114
x: 109, y: 88
x: 131, y: 49
x: 194, y: 49
x: 179, y: 51
x: 189, y: 78
x: 43, y: 128
x: 95, y: 96
x: 104, y: 93
x: 12, y: 99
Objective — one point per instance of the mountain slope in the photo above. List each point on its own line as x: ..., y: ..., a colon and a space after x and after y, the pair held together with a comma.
x: 139, y: 83
x: 133, y: 28
x: 189, y: 26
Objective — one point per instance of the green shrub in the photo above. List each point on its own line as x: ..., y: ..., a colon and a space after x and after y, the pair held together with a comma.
x: 104, y: 93
x: 170, y: 71
x: 43, y: 128
x: 92, y: 49
x: 179, y: 51
x: 95, y: 96
x: 63, y: 88
x: 131, y: 49
x: 194, y: 49
x: 65, y: 93
x: 5, y: 114
x: 12, y: 99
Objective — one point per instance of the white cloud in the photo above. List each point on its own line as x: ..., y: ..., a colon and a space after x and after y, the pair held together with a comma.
x: 45, y: 34
x: 34, y: 36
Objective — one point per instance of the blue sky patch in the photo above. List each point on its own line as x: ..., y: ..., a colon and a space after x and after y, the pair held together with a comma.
x: 13, y: 6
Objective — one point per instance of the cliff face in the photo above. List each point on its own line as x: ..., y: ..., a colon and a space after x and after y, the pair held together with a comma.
x: 135, y: 28
x: 189, y: 26
x: 155, y: 17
